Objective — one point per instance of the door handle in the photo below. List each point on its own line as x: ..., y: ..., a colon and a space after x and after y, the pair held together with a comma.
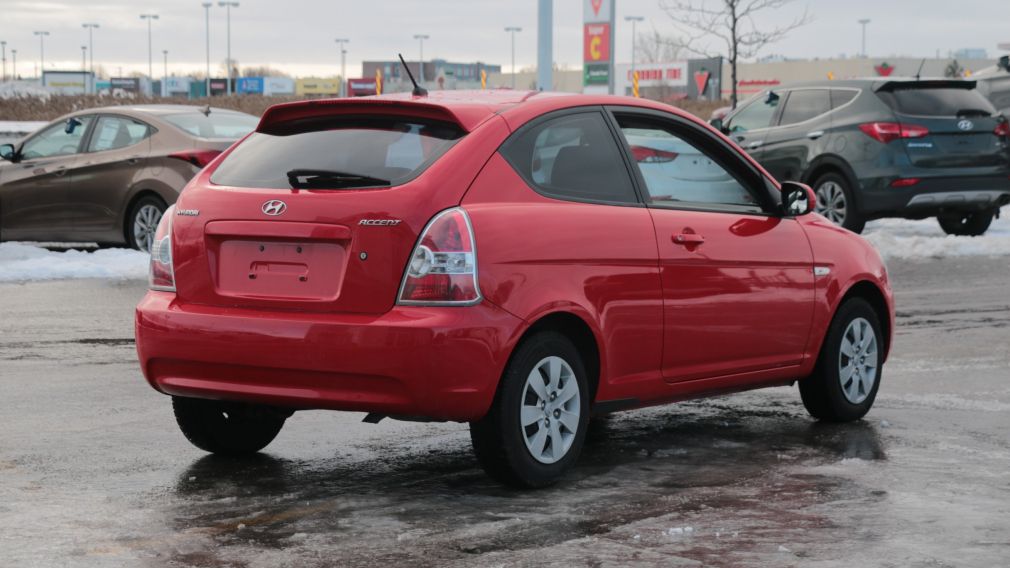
x: 60, y: 171
x: 132, y: 160
x: 815, y: 134
x: 688, y: 239
x: 754, y: 145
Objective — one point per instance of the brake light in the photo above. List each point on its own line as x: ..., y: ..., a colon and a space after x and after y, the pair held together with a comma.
x: 1002, y: 129
x: 885, y: 132
x: 645, y: 155
x: 442, y: 269
x: 199, y: 158
x: 162, y: 272
x: 904, y: 182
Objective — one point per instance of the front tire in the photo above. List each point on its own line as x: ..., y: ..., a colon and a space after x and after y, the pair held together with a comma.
x: 845, y: 380
x: 836, y: 202
x: 536, y: 427
x: 142, y: 222
x: 227, y: 428
x: 973, y: 224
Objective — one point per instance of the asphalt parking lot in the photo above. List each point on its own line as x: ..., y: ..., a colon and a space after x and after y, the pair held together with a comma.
x: 93, y: 471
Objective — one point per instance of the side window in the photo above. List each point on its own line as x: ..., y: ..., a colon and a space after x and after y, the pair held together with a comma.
x: 757, y: 114
x: 58, y: 140
x: 841, y: 97
x: 573, y: 157
x: 805, y: 104
x: 676, y: 170
x: 112, y: 132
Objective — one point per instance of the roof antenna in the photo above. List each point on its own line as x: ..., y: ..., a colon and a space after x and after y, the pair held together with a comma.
x: 919, y: 71
x: 418, y: 91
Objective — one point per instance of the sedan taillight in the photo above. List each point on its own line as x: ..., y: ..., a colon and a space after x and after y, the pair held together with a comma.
x: 442, y: 270
x: 885, y: 132
x: 1002, y: 129
x: 199, y: 158
x: 162, y: 272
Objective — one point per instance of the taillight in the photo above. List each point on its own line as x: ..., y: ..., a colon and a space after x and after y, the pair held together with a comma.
x: 442, y: 269
x: 645, y: 155
x: 199, y: 158
x: 904, y: 182
x: 1002, y: 129
x: 885, y: 132
x: 162, y: 273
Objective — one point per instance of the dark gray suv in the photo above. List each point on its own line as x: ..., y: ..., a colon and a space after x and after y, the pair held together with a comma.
x: 875, y: 148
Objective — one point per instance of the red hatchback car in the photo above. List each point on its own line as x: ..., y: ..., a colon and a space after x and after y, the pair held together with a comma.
x: 518, y: 261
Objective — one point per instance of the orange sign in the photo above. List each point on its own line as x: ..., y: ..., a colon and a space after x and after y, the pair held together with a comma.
x: 596, y: 43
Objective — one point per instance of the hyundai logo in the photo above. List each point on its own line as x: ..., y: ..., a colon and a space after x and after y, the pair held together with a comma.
x: 274, y: 207
x: 965, y: 124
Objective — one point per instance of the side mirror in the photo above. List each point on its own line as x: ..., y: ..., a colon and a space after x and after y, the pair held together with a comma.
x: 7, y: 152
x: 716, y: 124
x: 72, y: 124
x: 797, y: 199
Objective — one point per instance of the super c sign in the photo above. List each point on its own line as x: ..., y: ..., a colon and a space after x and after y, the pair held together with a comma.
x: 596, y: 43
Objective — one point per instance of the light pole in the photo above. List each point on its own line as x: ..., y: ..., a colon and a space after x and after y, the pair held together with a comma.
x: 42, y: 52
x: 164, y: 82
x: 421, y: 38
x: 228, y: 6
x: 3, y: 49
x: 91, y: 50
x: 342, y: 42
x: 863, y: 22
x: 14, y: 64
x: 84, y: 67
x: 634, y: 20
x: 512, y: 30
x: 206, y: 8
x: 150, y: 54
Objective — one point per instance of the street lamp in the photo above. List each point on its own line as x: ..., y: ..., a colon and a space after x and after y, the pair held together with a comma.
x: 512, y: 30
x: 421, y: 38
x: 3, y: 52
x: 42, y: 52
x: 84, y: 67
x: 863, y: 23
x: 164, y: 82
x: 342, y: 42
x: 91, y: 50
x: 633, y: 20
x: 228, y: 6
x: 14, y: 64
x: 206, y: 8
x: 150, y: 56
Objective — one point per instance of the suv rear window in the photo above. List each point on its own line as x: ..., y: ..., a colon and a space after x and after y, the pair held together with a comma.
x: 937, y: 102
x: 339, y: 153
x: 231, y: 125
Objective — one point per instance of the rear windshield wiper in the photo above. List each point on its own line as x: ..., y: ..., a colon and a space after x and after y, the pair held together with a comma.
x: 330, y: 179
x: 973, y: 112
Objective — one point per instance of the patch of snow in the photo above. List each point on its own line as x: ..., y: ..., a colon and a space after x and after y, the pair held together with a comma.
x: 945, y: 402
x: 23, y: 262
x: 783, y: 549
x: 25, y: 89
x: 20, y: 127
x: 901, y: 238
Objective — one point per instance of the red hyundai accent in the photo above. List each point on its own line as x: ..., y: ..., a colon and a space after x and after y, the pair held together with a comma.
x: 518, y: 261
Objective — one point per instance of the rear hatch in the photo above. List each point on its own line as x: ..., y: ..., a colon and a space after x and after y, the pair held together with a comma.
x: 320, y: 207
x: 948, y: 124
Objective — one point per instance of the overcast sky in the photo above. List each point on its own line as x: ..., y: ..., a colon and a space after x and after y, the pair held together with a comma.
x: 297, y: 35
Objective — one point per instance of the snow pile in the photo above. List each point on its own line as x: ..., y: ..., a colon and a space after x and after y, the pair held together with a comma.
x: 899, y: 238
x: 19, y: 127
x: 21, y: 262
x: 24, y: 89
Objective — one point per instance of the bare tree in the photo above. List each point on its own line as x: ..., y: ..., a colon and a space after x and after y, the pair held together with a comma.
x: 729, y: 22
x: 654, y: 47
x: 263, y: 71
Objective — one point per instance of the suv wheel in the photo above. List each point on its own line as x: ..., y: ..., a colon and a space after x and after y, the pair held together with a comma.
x: 536, y: 426
x: 227, y: 428
x: 844, y: 383
x: 142, y: 222
x: 835, y: 201
x: 972, y: 224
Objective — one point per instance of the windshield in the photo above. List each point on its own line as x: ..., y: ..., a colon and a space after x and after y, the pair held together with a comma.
x: 218, y: 124
x: 337, y: 154
x: 938, y: 102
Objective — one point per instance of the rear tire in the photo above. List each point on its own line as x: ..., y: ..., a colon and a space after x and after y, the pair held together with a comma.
x: 142, y: 221
x: 835, y: 201
x: 971, y: 224
x: 539, y: 453
x: 227, y: 428
x: 845, y: 380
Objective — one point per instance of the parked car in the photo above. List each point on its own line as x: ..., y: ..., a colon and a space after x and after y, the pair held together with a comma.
x: 884, y: 148
x: 108, y: 174
x: 519, y: 261
x: 994, y: 83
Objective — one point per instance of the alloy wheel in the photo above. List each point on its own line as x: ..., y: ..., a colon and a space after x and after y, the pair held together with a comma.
x: 831, y: 202
x: 550, y: 410
x: 145, y: 223
x: 857, y: 360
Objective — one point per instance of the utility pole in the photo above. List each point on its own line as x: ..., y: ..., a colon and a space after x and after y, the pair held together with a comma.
x: 634, y: 38
x: 84, y: 67
x: 545, y: 45
x: 228, y: 6
x: 150, y: 53
x: 14, y: 64
x: 91, y: 50
x: 42, y: 53
x: 342, y: 42
x: 3, y: 49
x: 206, y: 8
x: 513, y: 30
x: 863, y: 23
x: 421, y: 38
x: 164, y: 82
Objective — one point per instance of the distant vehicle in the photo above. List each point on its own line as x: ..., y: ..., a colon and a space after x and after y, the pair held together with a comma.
x: 108, y: 174
x: 516, y: 260
x: 883, y: 148
x: 994, y: 83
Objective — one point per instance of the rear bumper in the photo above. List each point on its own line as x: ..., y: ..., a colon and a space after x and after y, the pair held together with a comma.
x: 438, y: 363
x: 933, y: 196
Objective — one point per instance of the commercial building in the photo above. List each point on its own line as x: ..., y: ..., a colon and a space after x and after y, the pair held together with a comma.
x: 438, y: 73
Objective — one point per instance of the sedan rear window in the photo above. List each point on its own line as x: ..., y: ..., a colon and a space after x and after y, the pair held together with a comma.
x: 340, y: 153
x: 217, y: 124
x: 938, y: 102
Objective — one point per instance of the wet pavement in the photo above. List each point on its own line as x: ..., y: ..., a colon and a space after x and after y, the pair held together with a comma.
x: 93, y: 471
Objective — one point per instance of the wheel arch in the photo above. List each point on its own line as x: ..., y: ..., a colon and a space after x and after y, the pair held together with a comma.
x: 138, y: 194
x: 874, y: 296
x: 580, y: 333
x: 831, y: 163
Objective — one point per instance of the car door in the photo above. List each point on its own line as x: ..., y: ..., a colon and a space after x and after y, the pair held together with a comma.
x: 117, y: 152
x: 737, y: 278
x: 749, y: 125
x: 34, y: 202
x: 799, y: 136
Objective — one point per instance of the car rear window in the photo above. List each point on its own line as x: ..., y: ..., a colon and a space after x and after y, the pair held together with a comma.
x: 217, y: 124
x: 937, y: 102
x: 340, y: 153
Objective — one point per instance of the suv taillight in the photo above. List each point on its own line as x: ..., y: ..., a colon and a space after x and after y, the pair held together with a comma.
x: 161, y: 275
x: 442, y: 270
x: 1002, y: 129
x: 885, y: 132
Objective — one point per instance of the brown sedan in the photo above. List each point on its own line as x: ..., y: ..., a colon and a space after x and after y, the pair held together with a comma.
x: 107, y: 175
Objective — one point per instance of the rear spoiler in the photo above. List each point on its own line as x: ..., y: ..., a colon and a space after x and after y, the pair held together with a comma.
x: 466, y: 117
x: 891, y: 86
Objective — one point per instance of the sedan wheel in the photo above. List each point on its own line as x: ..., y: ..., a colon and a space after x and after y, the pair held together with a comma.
x: 550, y: 410
x: 857, y: 361
x: 142, y: 222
